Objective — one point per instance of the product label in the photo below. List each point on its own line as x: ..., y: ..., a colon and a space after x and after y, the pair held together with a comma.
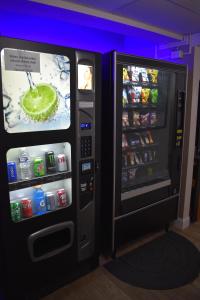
x: 21, y: 60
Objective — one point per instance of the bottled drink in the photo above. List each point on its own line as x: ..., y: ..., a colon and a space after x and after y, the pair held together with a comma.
x: 39, y: 200
x: 24, y: 164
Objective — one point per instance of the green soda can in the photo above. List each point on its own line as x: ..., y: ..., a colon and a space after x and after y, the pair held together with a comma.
x: 15, y: 210
x: 38, y: 167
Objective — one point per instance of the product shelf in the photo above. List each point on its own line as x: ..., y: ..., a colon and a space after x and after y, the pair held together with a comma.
x: 39, y: 180
x: 140, y: 165
x: 146, y: 146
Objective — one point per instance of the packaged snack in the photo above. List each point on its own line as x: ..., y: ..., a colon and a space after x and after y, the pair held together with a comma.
x: 131, y: 174
x: 152, y: 75
x: 153, y: 118
x: 135, y: 74
x: 149, y: 171
x: 154, y: 96
x: 124, y: 98
x: 125, y: 120
x: 139, y: 156
x: 129, y: 71
x: 144, y: 75
x: 124, y: 141
x: 136, y: 94
x: 144, y: 119
x: 154, y: 154
x: 150, y: 138
x: 150, y: 155
x: 125, y: 74
x: 124, y: 177
x: 141, y: 139
x: 124, y: 160
x: 131, y: 159
x: 136, y: 119
x: 145, y: 157
x: 134, y: 140
x: 145, y: 93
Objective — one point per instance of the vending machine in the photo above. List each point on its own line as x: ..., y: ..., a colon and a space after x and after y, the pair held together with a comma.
x: 142, y: 130
x: 49, y: 161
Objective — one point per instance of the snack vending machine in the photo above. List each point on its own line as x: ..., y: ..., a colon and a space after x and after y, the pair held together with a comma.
x: 143, y: 110
x: 49, y: 132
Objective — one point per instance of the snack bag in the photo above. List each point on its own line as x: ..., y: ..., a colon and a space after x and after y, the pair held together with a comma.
x: 145, y: 93
x: 124, y: 98
x: 136, y: 119
x: 143, y: 75
x: 124, y: 160
x: 137, y: 94
x: 138, y: 158
x: 131, y: 159
x: 131, y: 174
x: 134, y: 140
x: 144, y: 119
x: 124, y: 141
x: 124, y: 177
x: 141, y: 139
x: 125, y: 120
x: 125, y: 74
x: 150, y: 138
x: 153, y: 118
x: 154, y: 96
x: 135, y: 74
x: 152, y: 75
x: 145, y: 157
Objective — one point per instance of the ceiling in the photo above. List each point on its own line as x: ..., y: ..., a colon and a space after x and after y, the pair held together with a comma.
x: 179, y: 16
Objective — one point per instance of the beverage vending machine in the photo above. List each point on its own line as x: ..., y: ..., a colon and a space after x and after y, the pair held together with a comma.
x: 143, y: 113
x: 49, y: 132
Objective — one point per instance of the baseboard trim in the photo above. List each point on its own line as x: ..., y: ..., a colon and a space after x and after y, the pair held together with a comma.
x: 182, y: 223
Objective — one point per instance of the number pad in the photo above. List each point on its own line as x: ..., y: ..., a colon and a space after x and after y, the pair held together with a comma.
x: 86, y: 146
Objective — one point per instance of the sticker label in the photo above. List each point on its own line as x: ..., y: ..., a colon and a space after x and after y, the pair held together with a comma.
x: 21, y: 60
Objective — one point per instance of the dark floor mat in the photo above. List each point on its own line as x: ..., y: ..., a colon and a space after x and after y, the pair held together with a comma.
x: 167, y: 262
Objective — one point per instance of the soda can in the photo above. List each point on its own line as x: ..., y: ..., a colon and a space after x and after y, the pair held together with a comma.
x: 61, y: 198
x: 15, y: 207
x: 50, y: 201
x: 12, y: 171
x: 50, y: 162
x: 61, y: 162
x: 38, y: 167
x: 26, y: 206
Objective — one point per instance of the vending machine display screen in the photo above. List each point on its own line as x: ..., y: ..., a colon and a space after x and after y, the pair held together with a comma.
x: 84, y: 126
x: 86, y: 166
x: 85, y: 77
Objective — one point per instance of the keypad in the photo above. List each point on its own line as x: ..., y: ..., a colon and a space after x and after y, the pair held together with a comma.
x: 86, y: 146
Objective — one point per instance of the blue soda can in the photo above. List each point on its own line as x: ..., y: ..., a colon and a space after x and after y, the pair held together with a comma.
x: 12, y: 171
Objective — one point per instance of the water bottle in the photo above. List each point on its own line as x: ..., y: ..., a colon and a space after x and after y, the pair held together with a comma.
x: 24, y: 164
x: 39, y: 205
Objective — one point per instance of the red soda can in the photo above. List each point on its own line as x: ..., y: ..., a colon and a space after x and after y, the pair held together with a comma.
x: 61, y: 198
x: 26, y: 205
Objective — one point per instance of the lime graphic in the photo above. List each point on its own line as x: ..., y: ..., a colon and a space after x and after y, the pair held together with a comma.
x: 40, y: 103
